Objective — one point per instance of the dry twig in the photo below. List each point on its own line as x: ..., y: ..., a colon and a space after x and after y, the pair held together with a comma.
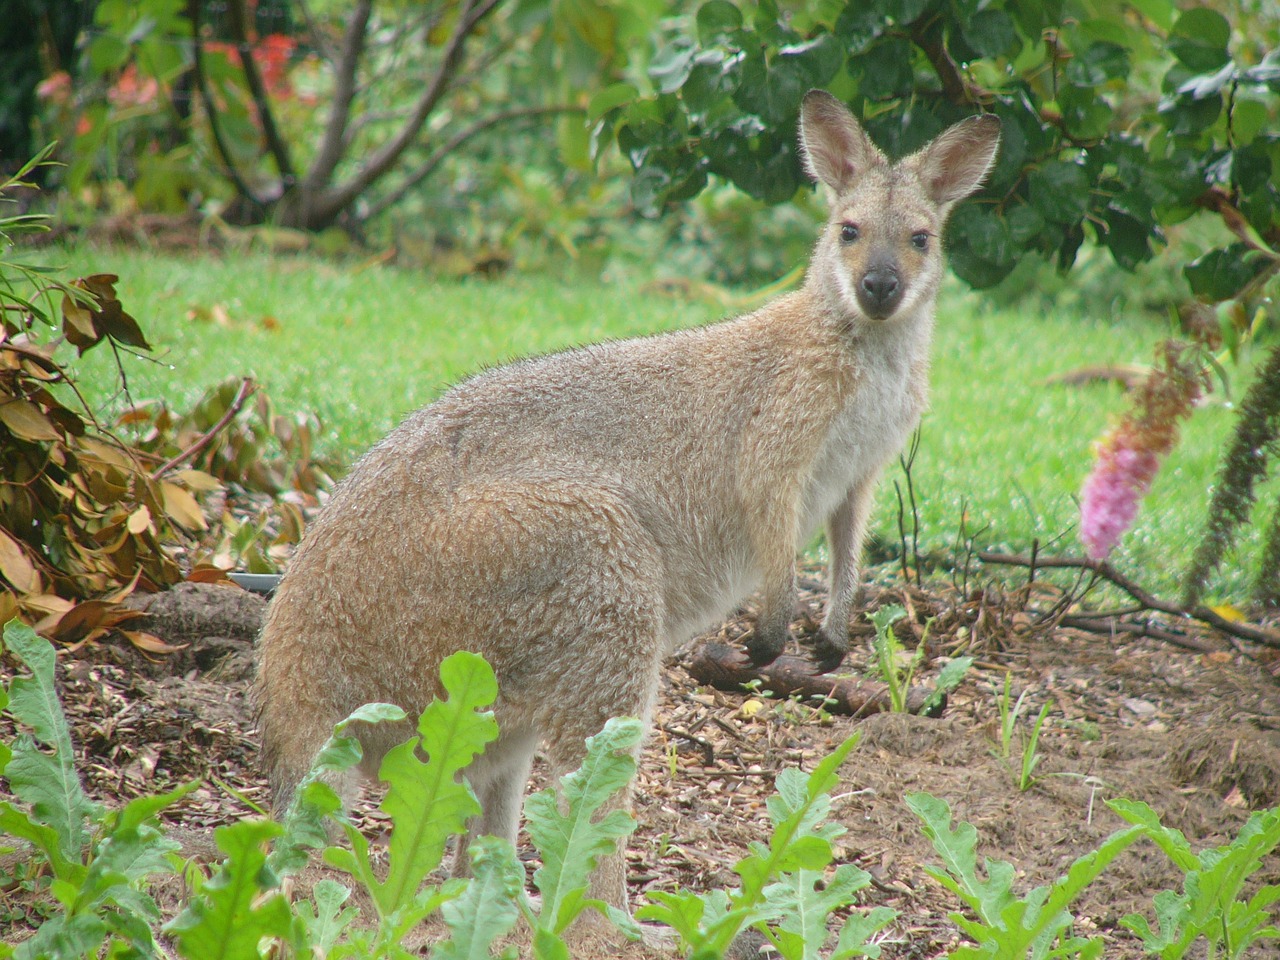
x: 247, y: 388
x: 1149, y: 601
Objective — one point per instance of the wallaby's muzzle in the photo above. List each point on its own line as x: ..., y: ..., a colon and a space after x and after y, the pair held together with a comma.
x: 880, y: 289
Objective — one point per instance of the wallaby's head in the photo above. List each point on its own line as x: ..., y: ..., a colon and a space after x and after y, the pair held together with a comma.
x: 880, y: 254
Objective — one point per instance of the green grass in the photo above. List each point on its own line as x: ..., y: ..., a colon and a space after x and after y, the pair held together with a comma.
x: 363, y: 347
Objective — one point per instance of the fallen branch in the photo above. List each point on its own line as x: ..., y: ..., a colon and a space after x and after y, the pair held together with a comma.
x: 1110, y: 623
x: 728, y: 668
x: 247, y: 387
x: 1104, y: 570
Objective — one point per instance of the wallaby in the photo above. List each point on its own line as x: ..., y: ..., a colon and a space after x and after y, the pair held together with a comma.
x: 576, y: 517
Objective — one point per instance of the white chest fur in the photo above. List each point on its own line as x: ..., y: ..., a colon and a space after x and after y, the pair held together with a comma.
x: 872, y: 428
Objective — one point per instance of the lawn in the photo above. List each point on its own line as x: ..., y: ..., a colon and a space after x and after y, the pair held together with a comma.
x: 361, y: 345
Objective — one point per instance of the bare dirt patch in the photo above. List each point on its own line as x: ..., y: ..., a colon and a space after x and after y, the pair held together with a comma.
x: 1194, y: 734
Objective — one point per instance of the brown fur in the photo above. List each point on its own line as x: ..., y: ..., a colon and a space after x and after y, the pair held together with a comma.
x: 574, y: 518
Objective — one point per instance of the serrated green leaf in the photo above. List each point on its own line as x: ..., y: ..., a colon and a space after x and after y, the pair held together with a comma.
x: 572, y: 842
x: 140, y: 810
x: 825, y: 775
x: 858, y: 929
x: 225, y: 921
x: 958, y: 849
x: 47, y: 782
x: 126, y: 857
x: 804, y: 908
x: 488, y: 908
x: 315, y: 801
x: 682, y: 912
x: 324, y: 916
x: 427, y: 802
x: 17, y: 823
x: 949, y: 677
x: 64, y: 936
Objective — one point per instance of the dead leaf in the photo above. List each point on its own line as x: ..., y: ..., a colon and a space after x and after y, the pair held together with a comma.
x: 106, y: 453
x: 49, y: 604
x: 127, y: 589
x: 196, y: 480
x: 150, y: 643
x: 26, y: 421
x: 16, y: 567
x: 208, y: 573
x: 182, y: 507
x: 140, y: 520
x: 77, y: 322
x: 90, y: 620
x: 8, y: 606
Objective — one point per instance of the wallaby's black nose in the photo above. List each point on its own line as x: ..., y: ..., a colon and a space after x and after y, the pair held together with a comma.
x: 879, y: 291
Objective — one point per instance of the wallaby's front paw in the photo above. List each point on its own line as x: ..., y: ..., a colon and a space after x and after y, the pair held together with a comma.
x: 766, y: 645
x: 829, y: 650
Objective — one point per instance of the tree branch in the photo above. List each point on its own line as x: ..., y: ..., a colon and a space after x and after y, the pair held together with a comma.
x: 428, y: 166
x: 247, y: 388
x: 318, y: 39
x: 1103, y: 569
x: 229, y: 168
x: 928, y: 37
x: 261, y: 103
x: 334, y: 141
x: 385, y: 156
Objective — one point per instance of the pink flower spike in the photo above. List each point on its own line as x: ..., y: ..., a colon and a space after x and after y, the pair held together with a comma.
x: 1121, y: 477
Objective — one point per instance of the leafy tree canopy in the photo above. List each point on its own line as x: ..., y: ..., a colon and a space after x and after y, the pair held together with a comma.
x: 1119, y: 119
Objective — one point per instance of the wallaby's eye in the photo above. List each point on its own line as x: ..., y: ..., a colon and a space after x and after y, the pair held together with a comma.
x: 920, y: 240
x: 848, y: 233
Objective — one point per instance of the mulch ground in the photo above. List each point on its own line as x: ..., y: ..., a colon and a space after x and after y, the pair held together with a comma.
x: 1196, y: 734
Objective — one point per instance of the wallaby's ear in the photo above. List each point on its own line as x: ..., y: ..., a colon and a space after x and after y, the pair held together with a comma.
x: 834, y: 147
x: 959, y: 159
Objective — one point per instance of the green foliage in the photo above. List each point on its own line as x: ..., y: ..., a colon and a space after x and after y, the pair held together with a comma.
x: 1254, y: 444
x: 231, y: 915
x: 489, y: 907
x: 1030, y: 755
x: 1010, y: 713
x: 890, y: 655
x: 779, y: 895
x: 99, y: 860
x: 1036, y: 926
x: 898, y: 668
x: 571, y: 841
x: 1114, y: 126
x: 306, y: 132
x: 451, y: 733
x: 1209, y: 906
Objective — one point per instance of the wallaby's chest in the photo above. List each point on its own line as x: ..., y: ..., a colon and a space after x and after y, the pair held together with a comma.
x: 866, y: 434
